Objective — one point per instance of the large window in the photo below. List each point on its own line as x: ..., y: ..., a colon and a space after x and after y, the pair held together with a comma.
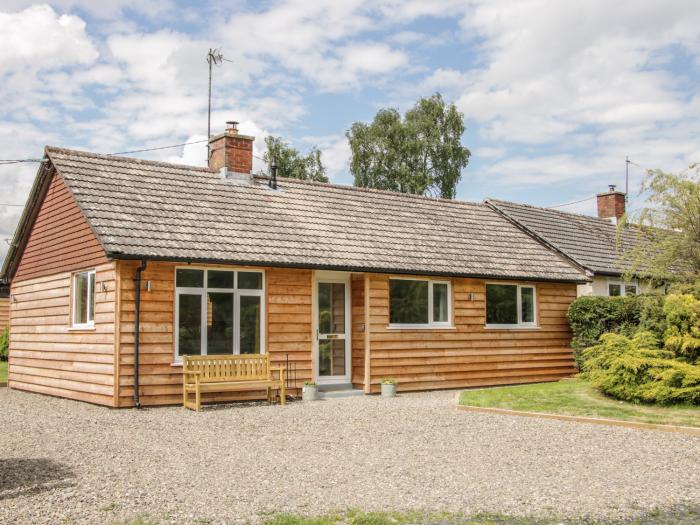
x: 510, y: 306
x: 617, y: 288
x: 218, y: 312
x: 419, y: 302
x: 83, y: 309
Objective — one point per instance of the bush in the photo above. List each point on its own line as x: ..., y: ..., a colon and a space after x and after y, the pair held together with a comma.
x: 4, y: 343
x: 682, y: 334
x: 590, y: 317
x: 636, y: 369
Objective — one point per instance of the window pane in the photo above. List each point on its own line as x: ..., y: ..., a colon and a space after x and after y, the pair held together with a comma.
x: 527, y: 304
x: 219, y: 279
x: 331, y: 308
x: 614, y: 290
x: 250, y: 280
x: 190, y: 278
x: 250, y: 324
x: 91, y: 311
x: 81, y: 298
x: 408, y: 301
x: 219, y: 323
x: 189, y: 327
x: 440, y: 298
x: 501, y: 304
x: 630, y: 289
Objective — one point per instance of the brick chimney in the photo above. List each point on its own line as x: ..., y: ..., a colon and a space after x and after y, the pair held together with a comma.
x: 231, y: 151
x: 611, y: 204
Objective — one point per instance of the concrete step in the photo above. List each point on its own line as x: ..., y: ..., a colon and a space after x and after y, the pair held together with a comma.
x: 334, y: 394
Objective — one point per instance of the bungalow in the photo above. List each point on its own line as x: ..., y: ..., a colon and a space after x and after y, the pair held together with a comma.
x: 594, y: 244
x: 120, y: 267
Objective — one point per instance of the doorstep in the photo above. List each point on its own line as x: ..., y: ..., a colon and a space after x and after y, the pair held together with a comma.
x: 337, y: 391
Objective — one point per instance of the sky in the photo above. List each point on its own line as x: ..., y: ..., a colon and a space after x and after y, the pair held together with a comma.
x: 554, y: 94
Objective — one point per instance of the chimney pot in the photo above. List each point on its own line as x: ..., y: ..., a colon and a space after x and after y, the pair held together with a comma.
x: 231, y: 151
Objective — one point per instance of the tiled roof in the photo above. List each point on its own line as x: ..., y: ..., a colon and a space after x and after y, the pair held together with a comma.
x: 150, y: 209
x: 593, y: 243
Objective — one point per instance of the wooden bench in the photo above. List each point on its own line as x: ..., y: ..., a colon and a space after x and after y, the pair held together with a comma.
x: 228, y: 373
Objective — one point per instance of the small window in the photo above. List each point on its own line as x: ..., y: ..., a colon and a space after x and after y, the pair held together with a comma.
x: 84, y: 299
x: 419, y: 302
x: 614, y: 289
x: 510, y: 306
x: 621, y: 289
x: 630, y: 289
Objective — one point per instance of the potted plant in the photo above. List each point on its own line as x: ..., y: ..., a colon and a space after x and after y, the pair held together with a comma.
x: 310, y: 391
x: 389, y: 387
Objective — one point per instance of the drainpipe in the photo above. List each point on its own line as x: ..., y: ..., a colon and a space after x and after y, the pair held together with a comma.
x: 137, y: 315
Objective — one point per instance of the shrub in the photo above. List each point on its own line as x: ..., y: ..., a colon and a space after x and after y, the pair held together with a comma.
x: 636, y: 369
x: 682, y: 334
x: 4, y: 343
x: 590, y: 317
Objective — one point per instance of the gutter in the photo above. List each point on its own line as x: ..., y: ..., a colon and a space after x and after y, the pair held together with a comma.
x: 137, y: 319
x: 340, y: 268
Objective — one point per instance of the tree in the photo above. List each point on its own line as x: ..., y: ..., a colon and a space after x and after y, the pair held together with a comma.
x: 421, y: 153
x: 291, y: 163
x: 668, y: 246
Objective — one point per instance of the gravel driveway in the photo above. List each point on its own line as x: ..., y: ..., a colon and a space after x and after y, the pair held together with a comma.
x: 65, y: 462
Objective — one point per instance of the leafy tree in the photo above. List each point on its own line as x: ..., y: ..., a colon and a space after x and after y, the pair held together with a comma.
x: 291, y: 163
x: 420, y: 153
x: 668, y: 244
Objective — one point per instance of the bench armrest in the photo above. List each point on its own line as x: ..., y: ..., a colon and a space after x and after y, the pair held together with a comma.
x: 278, y: 368
x: 192, y: 372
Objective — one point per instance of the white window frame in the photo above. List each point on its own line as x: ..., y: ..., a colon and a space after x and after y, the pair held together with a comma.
x: 430, y: 323
x: 623, y: 287
x: 235, y: 292
x: 519, y: 305
x: 90, y: 324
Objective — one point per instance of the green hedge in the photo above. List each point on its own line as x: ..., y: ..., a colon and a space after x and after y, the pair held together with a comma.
x: 590, y: 317
x: 4, y: 343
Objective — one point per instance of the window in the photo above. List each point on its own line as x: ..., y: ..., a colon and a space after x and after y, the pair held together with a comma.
x: 510, y: 306
x: 218, y: 312
x: 83, y: 311
x: 419, y: 302
x: 620, y: 289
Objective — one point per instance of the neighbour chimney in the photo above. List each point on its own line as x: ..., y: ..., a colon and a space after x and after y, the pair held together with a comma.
x: 231, y: 152
x: 611, y: 204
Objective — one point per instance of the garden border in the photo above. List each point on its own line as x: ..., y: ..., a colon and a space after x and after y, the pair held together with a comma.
x: 692, y: 431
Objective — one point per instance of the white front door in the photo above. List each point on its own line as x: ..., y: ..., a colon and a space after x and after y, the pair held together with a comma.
x: 332, y: 345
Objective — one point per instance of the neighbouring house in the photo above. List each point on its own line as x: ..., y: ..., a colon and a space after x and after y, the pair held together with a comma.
x: 4, y: 306
x: 594, y: 244
x: 119, y: 267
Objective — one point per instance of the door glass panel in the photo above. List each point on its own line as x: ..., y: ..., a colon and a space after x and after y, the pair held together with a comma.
x: 331, y: 308
x: 189, y: 331
x: 219, y: 323
x: 331, y: 357
x: 250, y: 324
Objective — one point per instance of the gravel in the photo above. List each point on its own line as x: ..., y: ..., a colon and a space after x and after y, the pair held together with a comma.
x: 70, y: 462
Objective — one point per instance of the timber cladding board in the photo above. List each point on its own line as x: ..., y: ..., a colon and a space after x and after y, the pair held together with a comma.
x: 61, y: 239
x: 288, y: 332
x: 470, y: 354
x: 4, y: 312
x: 46, y: 356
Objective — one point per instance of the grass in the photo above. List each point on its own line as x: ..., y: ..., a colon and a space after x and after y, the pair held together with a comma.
x: 578, y: 398
x: 3, y: 371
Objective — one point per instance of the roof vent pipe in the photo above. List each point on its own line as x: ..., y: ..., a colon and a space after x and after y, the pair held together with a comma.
x: 232, y: 125
x: 273, y: 174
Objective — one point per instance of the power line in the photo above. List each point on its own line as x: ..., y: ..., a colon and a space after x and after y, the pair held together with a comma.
x: 570, y: 203
x: 158, y: 148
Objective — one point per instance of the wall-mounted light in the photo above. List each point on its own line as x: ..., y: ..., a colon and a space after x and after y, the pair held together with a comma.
x: 471, y: 296
x: 149, y: 286
x: 103, y: 286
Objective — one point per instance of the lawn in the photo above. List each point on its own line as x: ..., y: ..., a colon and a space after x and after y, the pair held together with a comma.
x: 577, y: 398
x: 3, y: 371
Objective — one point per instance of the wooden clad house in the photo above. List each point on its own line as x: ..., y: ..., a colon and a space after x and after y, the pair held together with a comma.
x: 121, y: 266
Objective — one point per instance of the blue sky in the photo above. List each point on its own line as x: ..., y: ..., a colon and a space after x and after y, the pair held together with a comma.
x: 555, y: 94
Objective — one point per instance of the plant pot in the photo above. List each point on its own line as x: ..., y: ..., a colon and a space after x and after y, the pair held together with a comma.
x: 309, y: 393
x: 388, y: 390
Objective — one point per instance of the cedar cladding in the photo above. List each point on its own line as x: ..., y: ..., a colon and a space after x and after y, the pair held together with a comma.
x: 61, y: 239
